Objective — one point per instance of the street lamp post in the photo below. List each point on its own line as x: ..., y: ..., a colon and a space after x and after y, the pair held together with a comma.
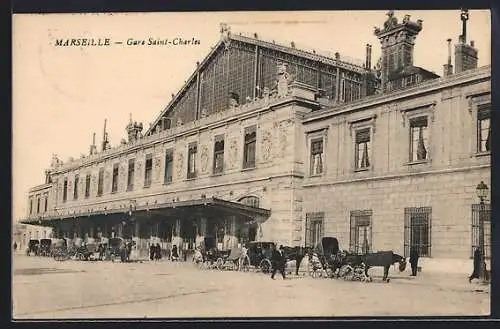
x: 482, y: 193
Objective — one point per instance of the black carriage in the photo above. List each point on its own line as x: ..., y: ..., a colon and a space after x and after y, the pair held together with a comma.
x: 259, y: 255
x: 116, y: 249
x: 44, y: 247
x: 33, y: 247
x: 325, y: 256
x: 212, y: 257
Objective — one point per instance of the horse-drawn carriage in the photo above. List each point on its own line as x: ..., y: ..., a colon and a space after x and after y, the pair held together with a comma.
x: 258, y: 255
x: 33, y: 247
x: 324, y: 257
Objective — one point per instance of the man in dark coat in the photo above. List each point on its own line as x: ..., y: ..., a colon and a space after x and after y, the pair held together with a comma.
x: 278, y: 262
x: 152, y: 251
x: 414, y: 260
x: 477, y: 265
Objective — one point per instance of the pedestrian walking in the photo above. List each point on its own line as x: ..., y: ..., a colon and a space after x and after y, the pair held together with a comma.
x: 414, y: 260
x: 278, y: 262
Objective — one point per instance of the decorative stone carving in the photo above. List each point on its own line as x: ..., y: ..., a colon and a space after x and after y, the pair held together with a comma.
x: 282, y: 136
x: 179, y: 164
x: 157, y: 166
x: 266, y: 145
x: 56, y: 162
x: 284, y: 80
x: 204, y: 112
x: 179, y: 122
x: 233, y: 153
x: 204, y: 158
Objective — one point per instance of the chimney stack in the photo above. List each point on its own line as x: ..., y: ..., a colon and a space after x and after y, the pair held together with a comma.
x: 465, y: 55
x: 448, y: 68
x: 368, y: 63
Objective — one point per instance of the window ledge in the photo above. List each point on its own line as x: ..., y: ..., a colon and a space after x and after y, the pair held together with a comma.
x: 316, y: 175
x: 217, y: 174
x: 114, y: 192
x: 167, y: 183
x: 130, y: 189
x: 362, y: 169
x: 249, y: 168
x: 190, y: 178
x: 482, y: 154
x: 417, y: 162
x: 147, y: 186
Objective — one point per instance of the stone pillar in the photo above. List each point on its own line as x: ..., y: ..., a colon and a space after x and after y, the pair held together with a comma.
x: 176, y: 232
x: 202, y: 231
x: 136, y: 249
x: 229, y: 234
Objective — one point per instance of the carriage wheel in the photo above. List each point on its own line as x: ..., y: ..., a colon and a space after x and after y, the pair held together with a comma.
x: 244, y: 264
x: 219, y: 264
x: 265, y: 266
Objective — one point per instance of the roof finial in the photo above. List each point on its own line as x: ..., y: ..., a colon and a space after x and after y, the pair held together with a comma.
x: 464, y: 16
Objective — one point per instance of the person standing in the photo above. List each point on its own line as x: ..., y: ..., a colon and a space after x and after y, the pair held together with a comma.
x: 278, y: 262
x: 152, y: 251
x: 476, y: 264
x: 157, y: 252
x: 414, y: 260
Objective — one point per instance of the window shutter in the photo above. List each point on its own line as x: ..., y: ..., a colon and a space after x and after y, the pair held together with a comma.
x: 363, y: 136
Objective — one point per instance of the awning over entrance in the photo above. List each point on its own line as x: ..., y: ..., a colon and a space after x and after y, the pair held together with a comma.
x: 205, y: 206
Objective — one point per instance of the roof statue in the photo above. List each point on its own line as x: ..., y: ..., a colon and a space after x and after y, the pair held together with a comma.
x: 391, y: 20
x: 225, y: 32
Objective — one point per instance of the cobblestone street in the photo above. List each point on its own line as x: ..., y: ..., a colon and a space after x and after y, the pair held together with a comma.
x: 44, y: 288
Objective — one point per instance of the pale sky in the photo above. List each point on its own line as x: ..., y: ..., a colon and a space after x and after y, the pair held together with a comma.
x: 61, y: 95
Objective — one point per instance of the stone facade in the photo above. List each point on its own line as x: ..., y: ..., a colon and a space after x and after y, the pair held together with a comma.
x: 386, y: 155
x: 445, y: 181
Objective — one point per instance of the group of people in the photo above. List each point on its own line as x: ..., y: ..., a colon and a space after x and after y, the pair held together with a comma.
x: 155, y: 251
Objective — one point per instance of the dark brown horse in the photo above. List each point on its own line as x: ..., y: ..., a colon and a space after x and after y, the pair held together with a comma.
x: 381, y: 258
x: 296, y: 254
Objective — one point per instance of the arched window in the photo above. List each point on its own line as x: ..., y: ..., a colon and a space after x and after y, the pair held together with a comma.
x: 251, y: 201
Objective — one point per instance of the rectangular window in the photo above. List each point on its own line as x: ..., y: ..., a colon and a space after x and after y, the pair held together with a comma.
x: 363, y: 149
x: 114, y: 182
x: 75, y: 187
x: 148, y: 170
x: 484, y: 129
x: 317, y: 159
x: 418, y: 230
x: 219, y: 154
x: 65, y: 190
x: 361, y: 232
x: 100, y: 182
x: 87, y: 185
x: 481, y: 213
x: 38, y: 204
x: 192, y: 150
x: 419, y: 139
x: 249, y: 147
x: 31, y: 206
x: 314, y: 228
x: 46, y: 203
x: 131, y: 174
x: 169, y: 166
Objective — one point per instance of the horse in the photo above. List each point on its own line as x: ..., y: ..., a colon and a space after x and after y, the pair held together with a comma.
x: 296, y: 254
x: 384, y: 259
